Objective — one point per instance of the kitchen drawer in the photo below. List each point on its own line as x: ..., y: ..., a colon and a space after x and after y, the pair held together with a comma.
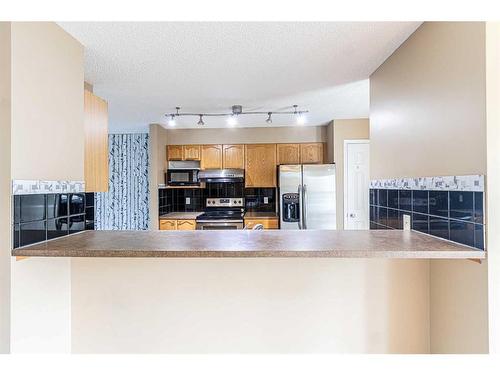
x: 168, y: 224
x: 186, y: 224
x: 271, y: 223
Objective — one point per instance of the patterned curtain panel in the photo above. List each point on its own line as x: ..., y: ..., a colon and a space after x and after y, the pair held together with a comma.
x: 126, y: 204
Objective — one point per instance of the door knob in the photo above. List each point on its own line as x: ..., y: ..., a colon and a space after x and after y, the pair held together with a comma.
x: 352, y: 215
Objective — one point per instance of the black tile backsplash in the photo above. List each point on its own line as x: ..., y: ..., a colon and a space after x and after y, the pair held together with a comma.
x: 462, y: 205
x: 32, y: 207
x: 453, y: 215
x: 438, y: 203
x: 41, y: 217
x: 193, y: 200
x: 32, y: 232
x: 420, y: 201
x: 405, y: 200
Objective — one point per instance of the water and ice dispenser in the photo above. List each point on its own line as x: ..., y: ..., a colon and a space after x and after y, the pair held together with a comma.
x: 291, y: 208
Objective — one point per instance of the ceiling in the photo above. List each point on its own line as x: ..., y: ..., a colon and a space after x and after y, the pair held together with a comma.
x: 145, y: 70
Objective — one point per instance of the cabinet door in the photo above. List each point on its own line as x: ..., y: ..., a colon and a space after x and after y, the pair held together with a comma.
x: 96, y: 143
x: 168, y: 224
x: 266, y: 223
x: 211, y: 157
x: 288, y: 153
x: 174, y: 152
x: 260, y: 165
x: 233, y: 156
x: 186, y: 224
x: 191, y: 152
x: 311, y: 153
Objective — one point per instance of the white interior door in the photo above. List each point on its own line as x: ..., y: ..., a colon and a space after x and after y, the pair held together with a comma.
x: 356, y: 184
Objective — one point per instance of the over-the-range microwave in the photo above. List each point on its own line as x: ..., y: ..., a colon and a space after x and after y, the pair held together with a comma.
x: 182, y: 173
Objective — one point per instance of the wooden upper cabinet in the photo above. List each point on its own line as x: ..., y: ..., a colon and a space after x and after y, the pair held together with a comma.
x: 233, y: 156
x: 191, y: 152
x: 260, y: 165
x: 311, y: 153
x: 211, y: 157
x: 288, y: 153
x: 174, y: 152
x: 96, y: 143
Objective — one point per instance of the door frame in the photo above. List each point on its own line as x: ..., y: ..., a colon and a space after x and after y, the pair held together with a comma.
x: 344, y: 176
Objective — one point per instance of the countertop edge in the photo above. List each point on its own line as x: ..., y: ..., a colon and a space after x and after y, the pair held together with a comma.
x: 473, y: 254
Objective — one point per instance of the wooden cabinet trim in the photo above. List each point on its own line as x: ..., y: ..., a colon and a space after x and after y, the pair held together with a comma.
x: 95, y: 143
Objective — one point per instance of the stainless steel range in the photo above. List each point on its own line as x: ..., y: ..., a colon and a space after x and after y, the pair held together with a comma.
x: 222, y: 214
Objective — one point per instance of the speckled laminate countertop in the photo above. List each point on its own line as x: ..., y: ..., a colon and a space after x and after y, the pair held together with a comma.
x: 247, y: 243
x: 181, y: 215
x: 261, y: 215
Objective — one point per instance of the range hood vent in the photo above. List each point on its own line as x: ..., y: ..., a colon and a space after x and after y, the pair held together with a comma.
x: 222, y: 175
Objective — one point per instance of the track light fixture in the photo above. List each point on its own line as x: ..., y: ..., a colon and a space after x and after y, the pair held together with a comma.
x: 200, y: 122
x: 237, y: 110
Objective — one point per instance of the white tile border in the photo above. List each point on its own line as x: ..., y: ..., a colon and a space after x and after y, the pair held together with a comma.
x: 22, y: 187
x: 452, y: 183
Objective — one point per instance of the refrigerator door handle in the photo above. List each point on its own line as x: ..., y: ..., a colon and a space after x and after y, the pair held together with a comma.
x: 304, y: 204
x: 299, y: 191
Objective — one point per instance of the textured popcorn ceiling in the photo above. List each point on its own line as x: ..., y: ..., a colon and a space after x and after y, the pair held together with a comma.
x: 144, y: 70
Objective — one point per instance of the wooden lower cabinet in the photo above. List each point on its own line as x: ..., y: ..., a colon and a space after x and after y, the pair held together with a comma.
x: 260, y: 165
x: 186, y: 224
x: 270, y: 223
x: 169, y: 224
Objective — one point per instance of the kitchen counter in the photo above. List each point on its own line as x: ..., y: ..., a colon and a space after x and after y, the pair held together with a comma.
x: 248, y: 244
x: 261, y: 215
x: 181, y: 215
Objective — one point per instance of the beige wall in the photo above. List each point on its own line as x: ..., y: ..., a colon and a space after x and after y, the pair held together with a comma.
x: 427, y: 104
x: 248, y: 135
x: 250, y: 306
x: 493, y: 181
x: 428, y: 117
x: 47, y: 143
x: 342, y: 130
x: 5, y: 217
x: 47, y: 103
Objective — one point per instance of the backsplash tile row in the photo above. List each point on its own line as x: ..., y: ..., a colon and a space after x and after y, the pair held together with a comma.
x: 453, y: 215
x: 24, y: 187
x: 443, y: 183
x: 193, y: 200
x: 41, y: 217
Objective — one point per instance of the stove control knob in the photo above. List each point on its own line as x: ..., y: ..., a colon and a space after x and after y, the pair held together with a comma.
x: 234, y: 202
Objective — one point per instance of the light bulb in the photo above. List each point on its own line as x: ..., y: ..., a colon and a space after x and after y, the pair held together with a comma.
x: 269, y: 120
x: 301, y: 119
x: 232, y: 120
x: 171, y: 121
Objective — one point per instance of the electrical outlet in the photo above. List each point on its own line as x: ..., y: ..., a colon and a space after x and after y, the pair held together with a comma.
x: 406, y: 222
x: 266, y: 200
x: 188, y: 200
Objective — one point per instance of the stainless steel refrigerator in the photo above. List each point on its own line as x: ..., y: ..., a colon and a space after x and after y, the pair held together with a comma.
x: 307, y: 196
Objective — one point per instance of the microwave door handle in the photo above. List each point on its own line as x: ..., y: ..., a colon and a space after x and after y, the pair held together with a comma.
x: 304, y: 205
x: 299, y: 191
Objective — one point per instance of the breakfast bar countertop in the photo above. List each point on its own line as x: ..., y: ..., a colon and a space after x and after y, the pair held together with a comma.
x: 252, y: 244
